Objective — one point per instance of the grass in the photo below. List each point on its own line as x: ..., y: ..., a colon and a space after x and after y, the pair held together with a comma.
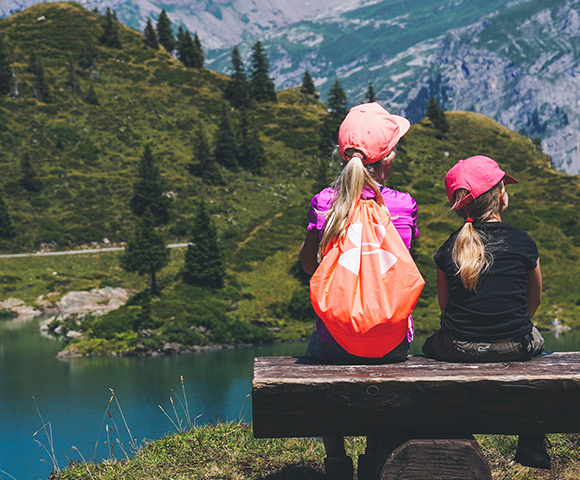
x: 230, y: 451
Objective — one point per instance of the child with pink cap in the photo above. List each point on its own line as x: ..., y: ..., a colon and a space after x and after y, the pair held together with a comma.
x: 366, y: 142
x: 489, y: 283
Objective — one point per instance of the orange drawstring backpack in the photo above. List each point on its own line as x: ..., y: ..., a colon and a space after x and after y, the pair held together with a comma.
x: 367, y: 284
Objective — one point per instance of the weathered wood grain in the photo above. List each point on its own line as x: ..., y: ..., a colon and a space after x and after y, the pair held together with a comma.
x: 418, y: 397
x: 437, y: 460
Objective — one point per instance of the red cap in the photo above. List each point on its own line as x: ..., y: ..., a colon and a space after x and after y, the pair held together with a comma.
x: 372, y: 130
x: 477, y: 175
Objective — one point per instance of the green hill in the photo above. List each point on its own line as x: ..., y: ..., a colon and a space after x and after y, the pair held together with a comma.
x: 87, y: 155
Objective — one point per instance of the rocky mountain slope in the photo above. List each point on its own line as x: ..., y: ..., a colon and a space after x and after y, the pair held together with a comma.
x: 518, y: 63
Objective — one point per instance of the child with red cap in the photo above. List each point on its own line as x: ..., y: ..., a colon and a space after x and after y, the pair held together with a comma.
x: 489, y: 283
x: 366, y: 142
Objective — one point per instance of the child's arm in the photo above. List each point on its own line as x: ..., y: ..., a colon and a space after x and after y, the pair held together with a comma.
x: 442, y: 289
x: 534, y: 293
x: 309, y: 251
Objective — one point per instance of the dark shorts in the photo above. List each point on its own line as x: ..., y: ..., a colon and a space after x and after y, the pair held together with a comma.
x: 333, y: 353
x: 442, y: 346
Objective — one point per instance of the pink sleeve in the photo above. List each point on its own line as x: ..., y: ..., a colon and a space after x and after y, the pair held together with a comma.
x: 321, y: 203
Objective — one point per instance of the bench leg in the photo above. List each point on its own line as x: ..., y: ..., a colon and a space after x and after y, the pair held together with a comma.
x: 436, y: 459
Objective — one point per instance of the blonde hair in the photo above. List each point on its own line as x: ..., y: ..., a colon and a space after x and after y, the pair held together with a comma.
x: 471, y: 254
x: 348, y: 187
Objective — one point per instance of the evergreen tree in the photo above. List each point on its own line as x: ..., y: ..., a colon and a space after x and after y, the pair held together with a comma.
x: 144, y: 318
x: 199, y: 55
x: 238, y: 90
x: 437, y: 116
x: 370, y: 95
x: 5, y: 71
x: 203, y: 164
x: 337, y: 110
x: 40, y: 84
x: 323, y: 175
x: 150, y: 35
x: 204, y: 260
x: 7, y: 229
x: 28, y: 178
x: 110, y: 35
x: 186, y: 50
x: 91, y: 96
x: 307, y: 87
x: 263, y: 89
x: 251, y: 151
x: 148, y: 191
x: 164, y: 32
x: 88, y: 54
x: 224, y: 149
x: 146, y: 252
x: 72, y: 77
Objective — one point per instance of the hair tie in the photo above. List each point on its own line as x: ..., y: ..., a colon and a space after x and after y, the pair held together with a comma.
x: 469, y: 220
x: 357, y: 154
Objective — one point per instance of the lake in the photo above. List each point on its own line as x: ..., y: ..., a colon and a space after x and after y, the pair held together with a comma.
x: 73, y: 396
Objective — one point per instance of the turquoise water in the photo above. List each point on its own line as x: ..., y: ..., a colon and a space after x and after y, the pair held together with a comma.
x: 73, y: 396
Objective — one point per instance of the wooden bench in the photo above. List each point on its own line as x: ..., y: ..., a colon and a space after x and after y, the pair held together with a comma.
x: 419, y: 399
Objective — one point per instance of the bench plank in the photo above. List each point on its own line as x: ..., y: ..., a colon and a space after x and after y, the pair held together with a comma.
x: 293, y: 398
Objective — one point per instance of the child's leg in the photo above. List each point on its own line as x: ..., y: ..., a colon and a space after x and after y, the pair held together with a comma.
x: 337, y: 465
x: 532, y: 452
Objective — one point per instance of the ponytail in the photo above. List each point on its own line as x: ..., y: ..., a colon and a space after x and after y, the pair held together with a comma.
x: 471, y: 254
x: 348, y: 188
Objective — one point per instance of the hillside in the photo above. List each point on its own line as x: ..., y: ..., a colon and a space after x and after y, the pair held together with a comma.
x: 87, y: 156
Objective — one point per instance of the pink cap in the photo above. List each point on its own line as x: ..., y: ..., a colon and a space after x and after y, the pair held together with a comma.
x: 477, y: 175
x: 372, y: 130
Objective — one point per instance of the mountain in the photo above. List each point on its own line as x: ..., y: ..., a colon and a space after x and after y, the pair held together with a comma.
x: 86, y: 147
x: 518, y: 63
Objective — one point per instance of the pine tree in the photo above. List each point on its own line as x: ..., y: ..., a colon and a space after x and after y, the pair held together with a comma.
x: 5, y: 71
x: 199, y: 55
x: 165, y: 32
x: 224, y: 149
x: 150, y: 35
x: 337, y: 110
x: 323, y: 175
x: 263, y: 89
x: 40, y: 84
x: 146, y: 252
x: 110, y: 35
x: 370, y: 95
x: 186, y: 50
x: 91, y: 96
x: 307, y: 87
x: 72, y: 77
x: 88, y: 55
x: 204, y: 260
x: 28, y: 178
x: 437, y: 116
x: 238, y: 90
x: 251, y: 151
x: 203, y: 164
x: 7, y: 229
x: 148, y: 191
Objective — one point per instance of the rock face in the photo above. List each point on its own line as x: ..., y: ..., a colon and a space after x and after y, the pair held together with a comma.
x: 97, y: 302
x: 20, y: 308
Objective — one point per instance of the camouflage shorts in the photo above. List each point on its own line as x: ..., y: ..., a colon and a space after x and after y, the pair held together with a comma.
x: 442, y: 346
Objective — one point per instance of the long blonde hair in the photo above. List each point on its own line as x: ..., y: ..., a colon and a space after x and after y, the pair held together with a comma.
x: 348, y: 187
x: 471, y: 254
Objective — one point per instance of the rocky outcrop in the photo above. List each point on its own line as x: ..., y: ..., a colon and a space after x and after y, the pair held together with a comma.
x: 97, y: 301
x: 19, y: 308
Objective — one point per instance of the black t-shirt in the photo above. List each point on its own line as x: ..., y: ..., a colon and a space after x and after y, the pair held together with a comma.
x: 498, y: 310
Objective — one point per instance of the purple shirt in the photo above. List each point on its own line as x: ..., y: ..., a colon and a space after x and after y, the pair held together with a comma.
x: 403, y: 209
